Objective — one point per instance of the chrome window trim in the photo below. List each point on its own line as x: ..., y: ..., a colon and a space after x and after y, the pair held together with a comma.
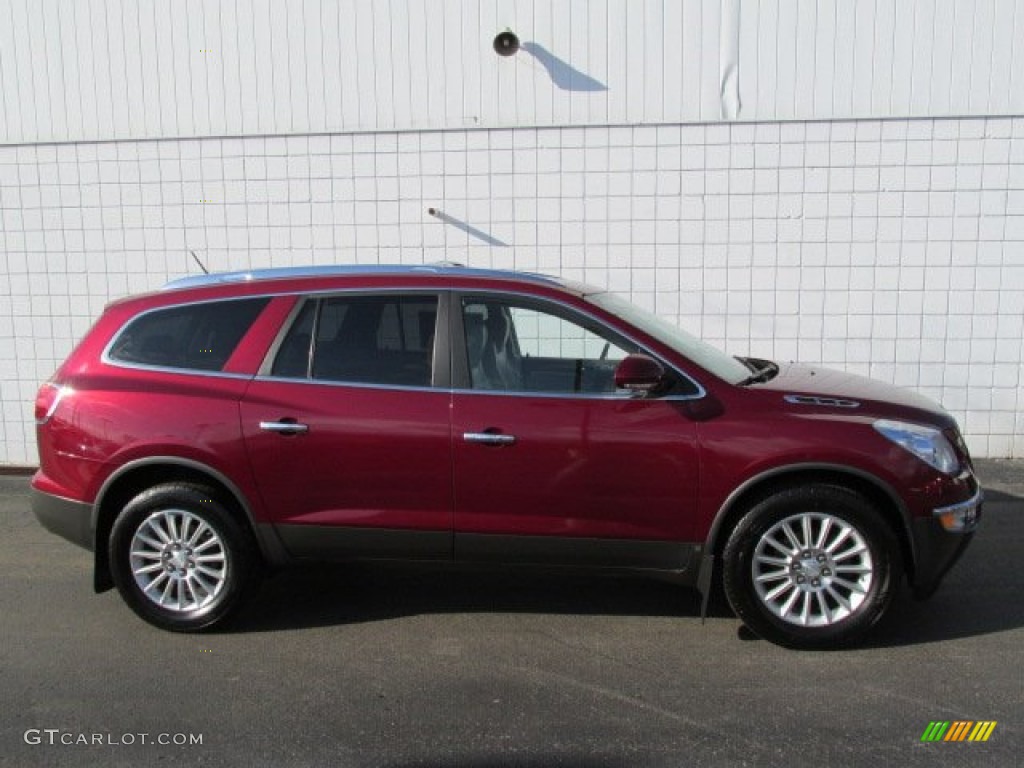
x: 460, y: 292
x: 267, y: 364
x: 698, y: 395
x: 624, y: 396
x: 351, y: 384
x: 106, y: 359
x: 181, y: 371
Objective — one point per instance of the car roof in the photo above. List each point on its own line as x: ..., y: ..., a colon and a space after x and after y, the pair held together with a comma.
x: 445, y: 269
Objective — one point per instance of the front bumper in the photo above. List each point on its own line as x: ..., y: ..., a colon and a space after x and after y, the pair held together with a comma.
x: 938, y: 545
x: 67, y: 518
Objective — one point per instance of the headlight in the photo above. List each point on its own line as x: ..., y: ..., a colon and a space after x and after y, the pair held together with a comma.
x: 927, y: 443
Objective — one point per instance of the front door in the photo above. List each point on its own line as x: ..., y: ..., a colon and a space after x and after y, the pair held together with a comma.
x: 551, y: 464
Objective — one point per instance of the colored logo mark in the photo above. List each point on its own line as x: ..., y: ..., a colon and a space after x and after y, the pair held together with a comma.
x: 958, y: 730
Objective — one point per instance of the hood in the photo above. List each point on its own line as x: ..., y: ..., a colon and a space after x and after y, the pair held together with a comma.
x: 873, y: 397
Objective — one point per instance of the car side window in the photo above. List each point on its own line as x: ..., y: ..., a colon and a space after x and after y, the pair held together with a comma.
x: 521, y: 347
x: 385, y: 340
x: 295, y: 353
x: 199, y: 337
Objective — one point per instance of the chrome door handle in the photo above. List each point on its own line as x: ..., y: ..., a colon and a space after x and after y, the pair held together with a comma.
x: 284, y: 427
x: 488, y: 438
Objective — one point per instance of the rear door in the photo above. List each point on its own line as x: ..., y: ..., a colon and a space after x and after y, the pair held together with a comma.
x: 348, y: 428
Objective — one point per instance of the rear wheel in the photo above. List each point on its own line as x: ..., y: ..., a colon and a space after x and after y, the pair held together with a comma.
x: 811, y: 567
x: 180, y: 559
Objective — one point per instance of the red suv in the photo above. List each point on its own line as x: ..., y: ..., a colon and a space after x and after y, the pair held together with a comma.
x: 235, y: 422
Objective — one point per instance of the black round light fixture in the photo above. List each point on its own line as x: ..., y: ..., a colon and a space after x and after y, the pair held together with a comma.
x: 506, y: 43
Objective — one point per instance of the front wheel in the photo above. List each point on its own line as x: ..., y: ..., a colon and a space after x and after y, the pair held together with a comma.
x: 811, y: 567
x: 179, y: 559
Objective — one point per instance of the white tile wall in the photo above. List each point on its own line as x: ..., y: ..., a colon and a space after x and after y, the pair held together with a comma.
x: 123, y: 69
x: 893, y: 249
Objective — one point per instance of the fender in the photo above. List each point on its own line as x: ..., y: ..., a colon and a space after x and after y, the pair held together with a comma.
x: 707, y: 564
x: 266, y: 535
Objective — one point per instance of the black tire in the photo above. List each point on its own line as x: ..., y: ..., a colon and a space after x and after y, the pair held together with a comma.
x: 180, y: 560
x: 812, y: 566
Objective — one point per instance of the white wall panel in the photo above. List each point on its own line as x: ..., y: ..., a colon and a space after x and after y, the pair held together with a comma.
x: 893, y: 248
x: 108, y: 69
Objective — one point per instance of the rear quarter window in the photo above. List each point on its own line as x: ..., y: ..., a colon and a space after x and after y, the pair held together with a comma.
x: 198, y: 337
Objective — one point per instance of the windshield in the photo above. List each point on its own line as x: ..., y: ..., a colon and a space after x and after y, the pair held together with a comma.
x: 700, y: 352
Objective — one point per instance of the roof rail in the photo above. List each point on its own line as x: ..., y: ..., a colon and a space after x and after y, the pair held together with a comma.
x: 338, y: 270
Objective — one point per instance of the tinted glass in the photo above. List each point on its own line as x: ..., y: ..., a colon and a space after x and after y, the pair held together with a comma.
x: 386, y: 340
x: 292, y: 360
x: 196, y: 337
x: 524, y: 348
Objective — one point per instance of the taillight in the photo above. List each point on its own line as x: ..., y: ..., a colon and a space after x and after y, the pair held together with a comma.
x: 47, y: 400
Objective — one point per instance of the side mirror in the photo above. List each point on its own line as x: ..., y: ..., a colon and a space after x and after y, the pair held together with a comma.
x: 640, y: 374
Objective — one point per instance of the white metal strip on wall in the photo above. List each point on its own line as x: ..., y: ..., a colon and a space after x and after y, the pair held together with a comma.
x: 109, y: 69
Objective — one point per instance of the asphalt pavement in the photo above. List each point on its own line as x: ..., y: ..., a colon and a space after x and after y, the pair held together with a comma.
x: 402, y: 668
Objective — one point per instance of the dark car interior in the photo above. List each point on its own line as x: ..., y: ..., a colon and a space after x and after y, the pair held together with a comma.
x: 362, y: 339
